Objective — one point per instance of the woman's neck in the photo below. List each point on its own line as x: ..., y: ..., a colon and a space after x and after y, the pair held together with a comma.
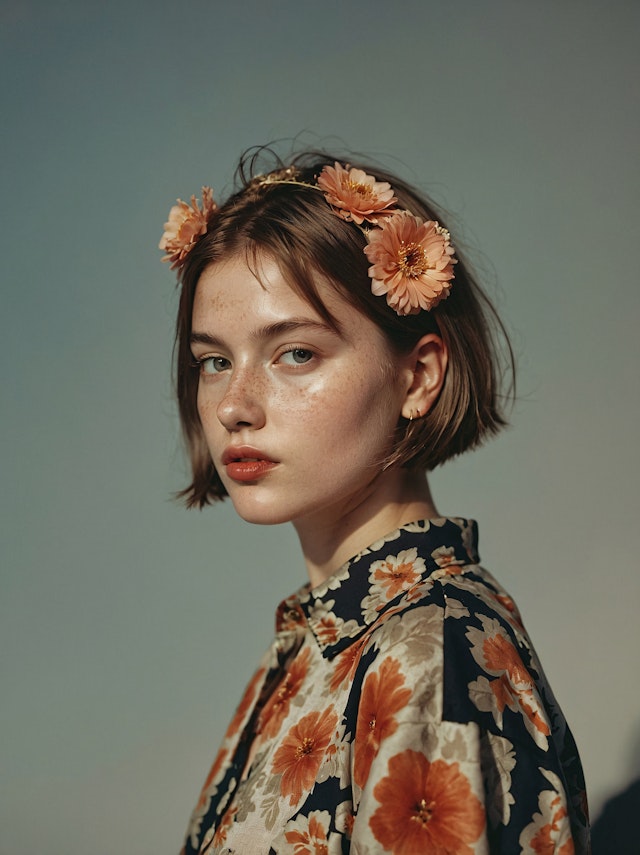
x: 330, y: 538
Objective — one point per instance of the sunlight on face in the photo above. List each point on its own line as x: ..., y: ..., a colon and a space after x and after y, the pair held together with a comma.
x: 295, y: 415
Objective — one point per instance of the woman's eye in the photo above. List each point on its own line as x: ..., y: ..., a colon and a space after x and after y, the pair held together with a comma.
x: 213, y: 364
x: 297, y: 356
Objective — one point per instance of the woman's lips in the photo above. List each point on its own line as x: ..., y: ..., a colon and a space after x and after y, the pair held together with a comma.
x: 246, y: 464
x: 248, y: 470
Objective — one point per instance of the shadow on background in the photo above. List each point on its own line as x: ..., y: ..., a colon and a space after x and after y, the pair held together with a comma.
x: 615, y: 832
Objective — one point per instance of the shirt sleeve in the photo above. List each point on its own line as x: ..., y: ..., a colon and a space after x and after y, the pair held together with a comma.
x: 458, y: 744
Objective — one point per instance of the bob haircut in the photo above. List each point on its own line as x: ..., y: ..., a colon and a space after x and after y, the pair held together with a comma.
x: 295, y: 226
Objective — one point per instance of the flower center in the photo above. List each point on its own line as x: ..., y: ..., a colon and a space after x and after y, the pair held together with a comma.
x: 412, y: 260
x: 400, y: 571
x: 305, y: 747
x: 284, y: 691
x: 372, y: 724
x: 363, y: 190
x: 423, y: 811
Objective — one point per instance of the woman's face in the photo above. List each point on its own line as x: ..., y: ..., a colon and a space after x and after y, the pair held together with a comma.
x: 296, y: 416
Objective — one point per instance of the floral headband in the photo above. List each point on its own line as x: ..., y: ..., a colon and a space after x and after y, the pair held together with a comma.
x: 411, y: 259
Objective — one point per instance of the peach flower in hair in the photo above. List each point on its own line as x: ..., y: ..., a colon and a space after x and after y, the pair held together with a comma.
x: 185, y: 225
x: 356, y: 196
x: 411, y: 262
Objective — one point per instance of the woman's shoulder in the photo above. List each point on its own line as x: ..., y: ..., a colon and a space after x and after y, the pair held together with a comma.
x: 446, y: 604
x: 459, y: 628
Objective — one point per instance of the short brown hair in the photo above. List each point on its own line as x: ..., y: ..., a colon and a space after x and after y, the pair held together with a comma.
x: 293, y: 225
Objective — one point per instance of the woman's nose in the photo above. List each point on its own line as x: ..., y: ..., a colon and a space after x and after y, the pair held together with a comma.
x: 241, y: 405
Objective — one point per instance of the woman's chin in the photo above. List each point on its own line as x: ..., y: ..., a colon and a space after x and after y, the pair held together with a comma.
x: 260, y: 514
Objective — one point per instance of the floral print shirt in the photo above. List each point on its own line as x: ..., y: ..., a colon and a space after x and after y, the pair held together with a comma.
x: 401, y: 708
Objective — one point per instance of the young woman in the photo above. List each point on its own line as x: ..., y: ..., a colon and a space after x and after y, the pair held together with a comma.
x: 332, y: 347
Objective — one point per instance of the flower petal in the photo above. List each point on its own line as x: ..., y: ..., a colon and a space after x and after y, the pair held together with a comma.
x: 411, y: 262
x: 185, y: 225
x: 356, y: 196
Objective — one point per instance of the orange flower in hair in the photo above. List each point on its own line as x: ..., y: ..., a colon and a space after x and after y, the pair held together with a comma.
x: 356, y: 196
x: 411, y: 259
x: 185, y: 225
x: 411, y: 262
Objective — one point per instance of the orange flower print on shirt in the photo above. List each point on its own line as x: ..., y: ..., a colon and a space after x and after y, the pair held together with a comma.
x: 222, y: 830
x: 550, y: 831
x: 277, y: 707
x: 445, y: 556
x: 346, y: 663
x: 245, y: 704
x: 327, y: 626
x: 390, y: 578
x: 500, y: 655
x: 327, y: 630
x: 426, y: 807
x: 213, y: 772
x: 513, y: 686
x: 397, y: 573
x: 344, y: 818
x: 303, y: 749
x: 505, y: 602
x: 289, y: 616
x: 309, y: 835
x: 383, y: 696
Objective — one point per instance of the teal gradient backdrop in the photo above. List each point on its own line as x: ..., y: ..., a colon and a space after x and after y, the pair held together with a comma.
x: 128, y: 625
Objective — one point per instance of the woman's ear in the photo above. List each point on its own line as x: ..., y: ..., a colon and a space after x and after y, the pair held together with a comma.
x: 427, y: 367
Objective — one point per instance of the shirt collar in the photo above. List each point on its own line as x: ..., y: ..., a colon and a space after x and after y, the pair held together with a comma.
x: 341, y: 609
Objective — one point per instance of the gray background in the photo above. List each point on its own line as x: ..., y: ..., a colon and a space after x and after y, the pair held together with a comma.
x: 128, y: 625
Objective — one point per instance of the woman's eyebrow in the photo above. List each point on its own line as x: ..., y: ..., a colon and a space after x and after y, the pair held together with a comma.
x: 291, y: 325
x: 267, y: 331
x: 204, y: 338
